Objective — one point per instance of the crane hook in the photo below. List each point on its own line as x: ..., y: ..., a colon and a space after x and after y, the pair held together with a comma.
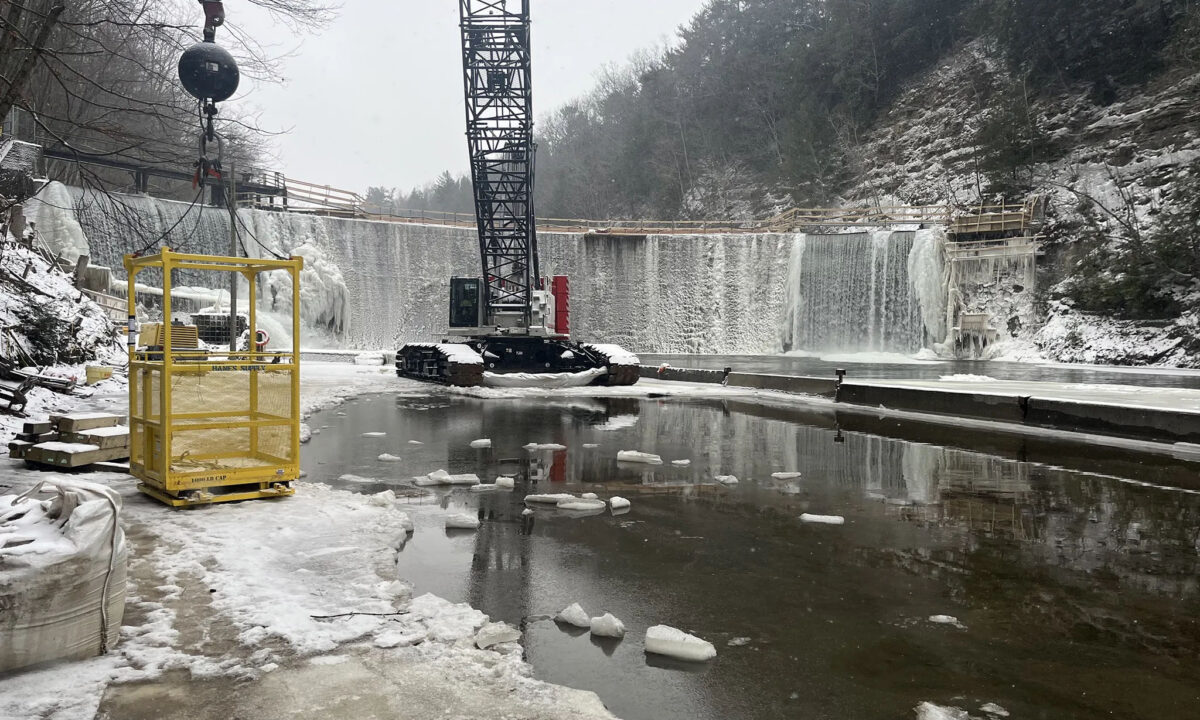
x: 214, y: 17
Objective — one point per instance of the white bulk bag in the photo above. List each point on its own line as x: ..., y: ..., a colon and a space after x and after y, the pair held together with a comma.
x: 58, y: 558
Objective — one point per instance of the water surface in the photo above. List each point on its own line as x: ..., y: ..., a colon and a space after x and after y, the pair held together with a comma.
x: 1077, y: 592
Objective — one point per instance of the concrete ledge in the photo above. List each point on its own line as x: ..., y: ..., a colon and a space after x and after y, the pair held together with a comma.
x: 1143, y: 423
x: 1006, y: 408
x: 824, y: 387
x: 1160, y: 425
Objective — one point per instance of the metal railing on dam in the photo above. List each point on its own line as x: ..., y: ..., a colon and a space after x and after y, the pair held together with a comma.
x: 974, y: 221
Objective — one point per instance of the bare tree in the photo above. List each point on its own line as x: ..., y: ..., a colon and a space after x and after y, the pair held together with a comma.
x: 100, y: 80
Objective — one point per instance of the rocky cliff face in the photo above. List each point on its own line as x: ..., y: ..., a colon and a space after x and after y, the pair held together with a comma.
x: 1108, y: 171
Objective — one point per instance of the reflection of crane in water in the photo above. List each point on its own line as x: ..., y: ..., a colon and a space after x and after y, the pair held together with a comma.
x: 502, y: 563
x: 500, y: 566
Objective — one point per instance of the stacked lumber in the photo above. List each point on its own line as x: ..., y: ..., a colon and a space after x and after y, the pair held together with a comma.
x: 72, y: 441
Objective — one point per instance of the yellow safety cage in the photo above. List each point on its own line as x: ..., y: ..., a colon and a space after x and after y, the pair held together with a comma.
x: 213, y: 426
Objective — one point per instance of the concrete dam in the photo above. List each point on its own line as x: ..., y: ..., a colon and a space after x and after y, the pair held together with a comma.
x: 375, y: 285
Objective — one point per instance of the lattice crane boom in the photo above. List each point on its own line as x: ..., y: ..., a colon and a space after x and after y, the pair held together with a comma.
x: 499, y: 106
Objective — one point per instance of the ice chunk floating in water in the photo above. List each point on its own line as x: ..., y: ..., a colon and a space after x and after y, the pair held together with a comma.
x: 549, y: 499
x: 581, y: 504
x: 930, y: 711
x: 608, y: 626
x: 947, y: 620
x: 823, y: 519
x: 538, y: 447
x: 634, y: 456
x: 575, y: 615
x: 669, y: 641
x: 616, y: 502
x: 462, y: 522
x: 481, y: 444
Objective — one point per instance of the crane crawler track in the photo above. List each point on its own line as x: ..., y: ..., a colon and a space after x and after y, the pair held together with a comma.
x: 465, y: 364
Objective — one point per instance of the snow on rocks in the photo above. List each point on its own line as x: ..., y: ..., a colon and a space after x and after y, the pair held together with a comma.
x: 549, y: 498
x: 786, y: 475
x: 823, y: 519
x: 672, y: 642
x: 374, y: 434
x: 727, y: 479
x: 387, y: 457
x: 947, y: 620
x: 539, y: 447
x: 462, y: 521
x: 575, y: 615
x: 616, y: 502
x: 607, y: 626
x: 481, y: 444
x: 634, y: 456
x: 496, y: 633
x: 580, y: 504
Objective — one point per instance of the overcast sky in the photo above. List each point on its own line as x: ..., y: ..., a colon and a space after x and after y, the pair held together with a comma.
x: 376, y: 97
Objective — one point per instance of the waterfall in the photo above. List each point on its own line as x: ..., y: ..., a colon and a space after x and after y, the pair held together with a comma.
x: 377, y: 284
x: 862, y: 292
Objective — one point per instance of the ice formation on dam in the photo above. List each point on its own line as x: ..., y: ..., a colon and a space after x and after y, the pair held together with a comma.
x: 376, y: 284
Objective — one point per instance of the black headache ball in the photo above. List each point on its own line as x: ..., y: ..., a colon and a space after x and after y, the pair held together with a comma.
x: 209, y: 72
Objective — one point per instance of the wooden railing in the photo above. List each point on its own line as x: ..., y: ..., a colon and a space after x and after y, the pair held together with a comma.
x: 115, y: 307
x: 305, y: 197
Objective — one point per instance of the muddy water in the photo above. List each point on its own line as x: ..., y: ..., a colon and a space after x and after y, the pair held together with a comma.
x: 1078, y: 594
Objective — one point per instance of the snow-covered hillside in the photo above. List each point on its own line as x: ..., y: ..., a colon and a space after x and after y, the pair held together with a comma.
x: 1114, y: 167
